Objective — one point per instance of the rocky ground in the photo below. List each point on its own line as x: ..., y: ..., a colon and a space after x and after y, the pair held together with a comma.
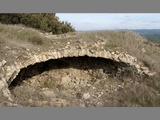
x: 80, y: 82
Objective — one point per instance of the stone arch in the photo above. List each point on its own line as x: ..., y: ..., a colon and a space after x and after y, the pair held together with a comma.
x: 84, y: 63
x: 10, y: 72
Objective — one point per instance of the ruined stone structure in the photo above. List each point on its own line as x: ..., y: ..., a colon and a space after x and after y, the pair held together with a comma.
x: 15, y: 58
x: 9, y: 72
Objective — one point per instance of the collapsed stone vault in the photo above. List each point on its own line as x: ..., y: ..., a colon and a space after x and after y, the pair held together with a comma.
x: 97, y: 67
x: 9, y: 72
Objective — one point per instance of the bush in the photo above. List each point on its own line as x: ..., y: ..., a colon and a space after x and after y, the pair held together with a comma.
x: 36, y: 40
x: 47, y: 22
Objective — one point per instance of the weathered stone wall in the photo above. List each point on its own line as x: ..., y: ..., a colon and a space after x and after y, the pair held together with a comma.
x: 9, y: 72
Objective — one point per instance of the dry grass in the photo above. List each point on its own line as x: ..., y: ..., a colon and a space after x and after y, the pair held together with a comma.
x: 129, y: 42
x: 23, y: 35
x: 148, y: 92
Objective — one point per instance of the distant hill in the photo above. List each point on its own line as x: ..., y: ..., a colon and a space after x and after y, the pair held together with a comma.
x: 150, y: 34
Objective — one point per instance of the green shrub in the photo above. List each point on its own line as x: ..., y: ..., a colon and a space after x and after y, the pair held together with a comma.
x: 47, y: 22
x: 36, y: 40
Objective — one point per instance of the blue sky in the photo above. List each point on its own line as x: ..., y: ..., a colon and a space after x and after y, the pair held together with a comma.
x: 105, y: 21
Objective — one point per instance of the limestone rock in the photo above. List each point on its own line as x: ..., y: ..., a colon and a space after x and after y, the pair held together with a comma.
x: 65, y: 80
x: 151, y: 73
x: 2, y: 85
x: 86, y: 96
x: 49, y: 93
x: 57, y: 102
x: 3, y: 63
x: 41, y: 103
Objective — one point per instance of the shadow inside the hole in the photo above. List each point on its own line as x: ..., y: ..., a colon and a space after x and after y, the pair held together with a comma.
x: 81, y: 63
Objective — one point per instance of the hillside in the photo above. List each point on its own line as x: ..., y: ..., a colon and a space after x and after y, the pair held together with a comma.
x: 150, y: 34
x: 103, y: 68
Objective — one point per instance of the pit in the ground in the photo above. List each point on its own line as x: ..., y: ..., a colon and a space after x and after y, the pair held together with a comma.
x: 74, y: 79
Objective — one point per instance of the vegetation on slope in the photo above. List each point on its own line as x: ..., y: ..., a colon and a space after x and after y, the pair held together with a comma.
x: 47, y: 22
